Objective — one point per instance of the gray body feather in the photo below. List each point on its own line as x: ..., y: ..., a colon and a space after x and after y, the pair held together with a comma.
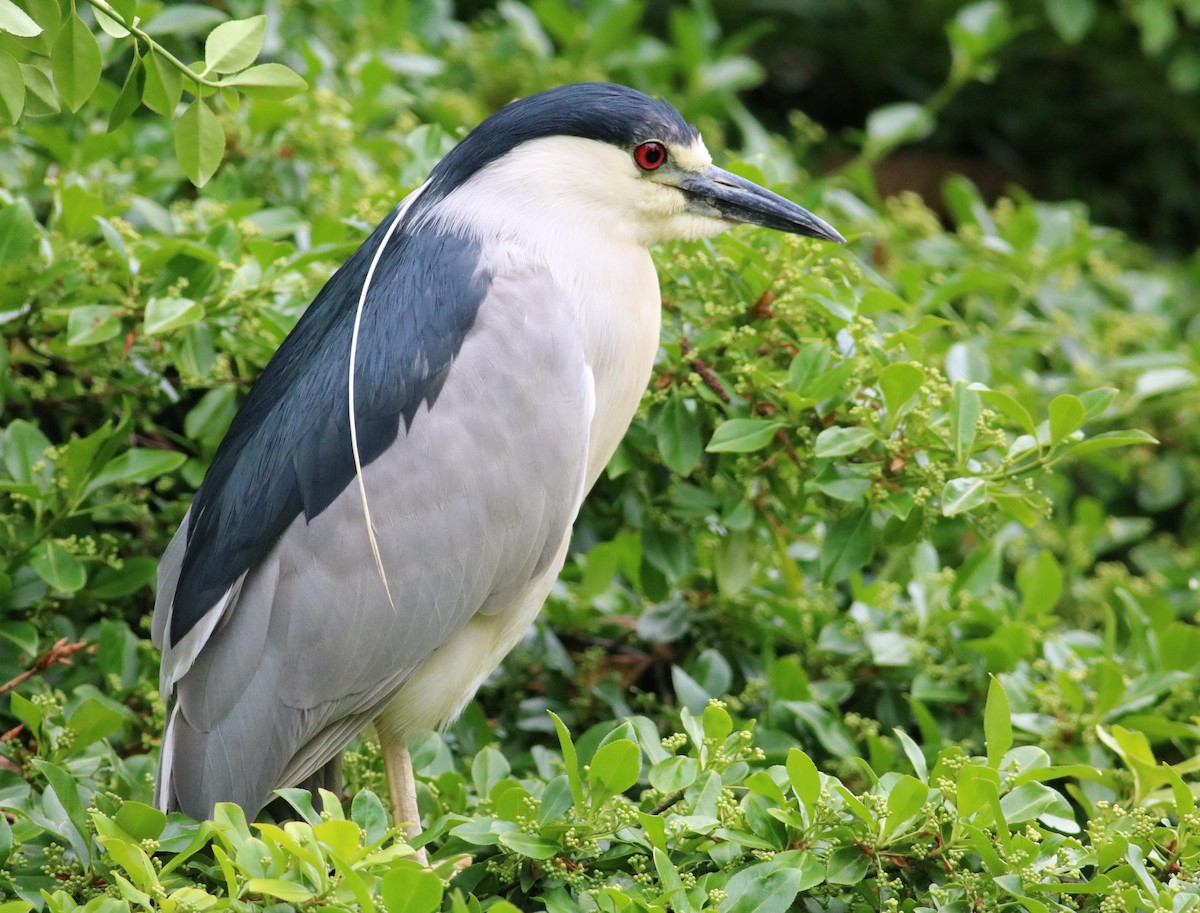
x: 472, y: 506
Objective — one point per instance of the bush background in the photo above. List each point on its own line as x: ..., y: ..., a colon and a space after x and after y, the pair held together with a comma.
x: 888, y: 601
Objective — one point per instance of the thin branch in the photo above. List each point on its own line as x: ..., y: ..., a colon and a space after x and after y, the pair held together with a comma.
x: 58, y: 655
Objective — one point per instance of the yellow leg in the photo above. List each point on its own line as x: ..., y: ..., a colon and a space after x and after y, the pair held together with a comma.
x: 402, y: 787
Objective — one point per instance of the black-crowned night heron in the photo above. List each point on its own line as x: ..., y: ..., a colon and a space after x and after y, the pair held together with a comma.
x: 394, y: 500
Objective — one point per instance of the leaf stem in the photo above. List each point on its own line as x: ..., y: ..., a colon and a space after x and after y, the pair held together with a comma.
x: 157, y: 48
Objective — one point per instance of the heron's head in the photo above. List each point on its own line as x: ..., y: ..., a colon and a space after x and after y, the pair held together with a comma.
x: 606, y: 157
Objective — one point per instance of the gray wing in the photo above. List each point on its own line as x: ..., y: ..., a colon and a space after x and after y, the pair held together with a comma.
x: 470, y: 505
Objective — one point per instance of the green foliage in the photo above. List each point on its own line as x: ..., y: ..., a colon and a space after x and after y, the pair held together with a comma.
x: 155, y: 77
x: 887, y: 600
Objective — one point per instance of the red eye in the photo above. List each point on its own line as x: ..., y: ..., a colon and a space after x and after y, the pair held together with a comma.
x: 650, y: 156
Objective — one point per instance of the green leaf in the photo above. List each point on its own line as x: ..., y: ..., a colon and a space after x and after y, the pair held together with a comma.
x: 91, y: 324
x: 25, y: 454
x: 898, y: 123
x: 1110, y: 439
x: 1072, y: 19
x: 64, y: 787
x: 772, y: 887
x: 1066, y: 416
x: 267, y: 80
x: 27, y: 712
x: 965, y: 410
x: 164, y: 85
x: 92, y: 721
x: 742, y: 435
x: 534, y: 846
x: 40, y: 97
x: 847, y: 865
x: 804, y: 777
x: 199, y: 142
x: 367, y: 811
x: 22, y: 634
x: 849, y: 545
x: 166, y: 314
x: 997, y: 723
x: 674, y: 773
x: 678, y: 436
x: 232, y: 46
x: 906, y: 798
x: 614, y: 768
x: 111, y: 27
x: 1041, y: 583
x: 1008, y: 407
x: 716, y: 722
x: 488, y: 768
x: 16, y: 21
x: 140, y: 821
x: 411, y: 888
x: 839, y: 441
x: 809, y: 364
x: 18, y: 232
x: 899, y: 383
x: 12, y: 88
x: 136, y: 466
x: 1038, y: 802
x: 62, y: 571
x: 570, y: 759
x: 287, y: 891
x: 962, y: 495
x: 76, y: 63
x: 130, y: 97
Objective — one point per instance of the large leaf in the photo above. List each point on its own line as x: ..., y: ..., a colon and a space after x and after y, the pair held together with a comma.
x: 12, y: 88
x: 76, y: 63
x: 268, y: 80
x: 232, y: 46
x: 16, y: 21
x: 199, y: 142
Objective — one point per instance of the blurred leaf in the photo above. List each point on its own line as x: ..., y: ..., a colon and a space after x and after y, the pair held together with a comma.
x: 166, y: 314
x: 410, y: 888
x: 1040, y: 581
x: 997, y: 723
x: 679, y: 436
x: 742, y: 435
x: 899, y: 383
x: 1072, y: 19
x: 12, y: 87
x: 898, y: 123
x: 18, y: 232
x: 962, y: 495
x: 137, y: 466
x: 849, y: 545
x: 966, y: 409
x: 61, y: 570
x: 92, y: 324
x: 838, y: 441
x: 1066, y: 415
